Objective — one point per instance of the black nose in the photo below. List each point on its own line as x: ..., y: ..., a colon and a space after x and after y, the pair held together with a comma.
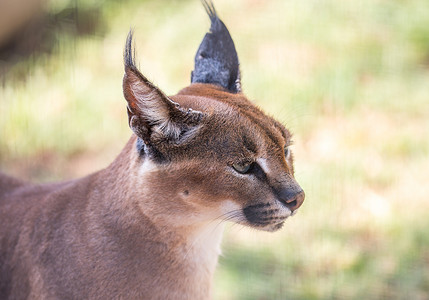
x: 291, y: 197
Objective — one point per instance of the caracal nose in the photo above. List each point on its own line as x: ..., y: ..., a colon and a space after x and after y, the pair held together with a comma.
x: 292, y: 198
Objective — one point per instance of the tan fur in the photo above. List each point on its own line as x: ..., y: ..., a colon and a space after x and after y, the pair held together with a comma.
x: 149, y: 226
x: 136, y: 229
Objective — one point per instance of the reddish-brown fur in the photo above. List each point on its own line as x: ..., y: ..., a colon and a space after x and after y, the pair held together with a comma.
x: 149, y: 225
x: 112, y: 234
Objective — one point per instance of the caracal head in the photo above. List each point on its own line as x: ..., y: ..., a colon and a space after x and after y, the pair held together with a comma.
x: 213, y: 155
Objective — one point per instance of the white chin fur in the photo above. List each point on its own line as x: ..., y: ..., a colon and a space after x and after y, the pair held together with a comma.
x: 146, y: 167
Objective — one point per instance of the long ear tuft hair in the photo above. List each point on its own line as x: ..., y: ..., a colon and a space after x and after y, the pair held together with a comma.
x: 130, y: 52
x: 216, y: 61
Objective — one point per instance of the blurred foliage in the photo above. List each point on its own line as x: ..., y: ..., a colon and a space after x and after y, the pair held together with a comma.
x: 349, y: 78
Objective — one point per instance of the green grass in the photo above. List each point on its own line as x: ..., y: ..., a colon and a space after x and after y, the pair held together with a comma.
x: 349, y: 78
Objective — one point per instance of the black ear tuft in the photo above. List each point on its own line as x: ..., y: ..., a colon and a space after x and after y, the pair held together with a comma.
x: 216, y: 61
x: 129, y: 52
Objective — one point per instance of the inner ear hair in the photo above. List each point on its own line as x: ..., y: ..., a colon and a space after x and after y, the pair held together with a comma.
x: 151, y: 114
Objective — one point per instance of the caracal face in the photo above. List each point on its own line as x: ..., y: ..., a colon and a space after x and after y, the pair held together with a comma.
x: 236, y: 165
x: 208, y: 150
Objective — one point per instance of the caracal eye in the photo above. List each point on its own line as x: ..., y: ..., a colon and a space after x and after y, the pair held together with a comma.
x: 242, y: 168
x: 287, y: 153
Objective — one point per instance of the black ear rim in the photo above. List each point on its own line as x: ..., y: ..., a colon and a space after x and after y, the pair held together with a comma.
x: 220, y: 65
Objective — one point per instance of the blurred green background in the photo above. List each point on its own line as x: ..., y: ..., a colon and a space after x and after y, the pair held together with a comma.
x: 349, y: 78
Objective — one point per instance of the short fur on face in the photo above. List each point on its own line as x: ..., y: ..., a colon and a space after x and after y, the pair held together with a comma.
x: 147, y: 226
x: 210, y: 130
x: 201, y: 139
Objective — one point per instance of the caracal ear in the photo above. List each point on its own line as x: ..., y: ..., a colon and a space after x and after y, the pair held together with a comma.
x: 151, y: 114
x: 216, y: 61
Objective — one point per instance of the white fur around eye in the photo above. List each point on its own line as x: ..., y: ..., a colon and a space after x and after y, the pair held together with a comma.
x: 263, y: 164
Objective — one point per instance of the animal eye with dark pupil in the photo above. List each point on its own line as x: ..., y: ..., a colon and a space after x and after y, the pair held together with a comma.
x: 242, y: 168
x: 287, y: 152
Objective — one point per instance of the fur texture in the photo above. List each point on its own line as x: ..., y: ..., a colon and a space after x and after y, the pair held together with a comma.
x: 149, y: 226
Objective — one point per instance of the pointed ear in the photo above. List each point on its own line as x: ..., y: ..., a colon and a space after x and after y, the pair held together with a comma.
x: 151, y: 114
x: 216, y: 61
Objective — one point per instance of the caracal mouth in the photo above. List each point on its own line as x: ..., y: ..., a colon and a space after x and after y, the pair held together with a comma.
x: 267, y: 216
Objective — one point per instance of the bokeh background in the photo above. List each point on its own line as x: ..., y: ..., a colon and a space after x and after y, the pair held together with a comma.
x: 349, y: 78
